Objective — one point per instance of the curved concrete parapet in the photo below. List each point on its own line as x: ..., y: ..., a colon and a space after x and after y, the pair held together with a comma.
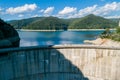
x: 60, y: 62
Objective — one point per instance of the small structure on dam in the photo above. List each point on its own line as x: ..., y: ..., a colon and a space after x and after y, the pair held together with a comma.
x: 62, y: 62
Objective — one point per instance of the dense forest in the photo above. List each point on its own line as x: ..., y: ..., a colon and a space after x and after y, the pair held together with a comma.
x: 50, y: 23
x: 53, y: 23
x: 92, y: 22
x: 18, y: 24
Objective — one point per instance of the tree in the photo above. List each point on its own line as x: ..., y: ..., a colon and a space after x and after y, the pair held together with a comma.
x: 106, y: 34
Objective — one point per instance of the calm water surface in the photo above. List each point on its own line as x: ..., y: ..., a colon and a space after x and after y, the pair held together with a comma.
x: 59, y: 37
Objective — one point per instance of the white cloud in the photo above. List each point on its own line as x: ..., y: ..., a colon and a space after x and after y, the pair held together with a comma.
x: 87, y: 10
x: 48, y: 10
x: 115, y: 16
x: 21, y: 9
x: 35, y: 15
x: 42, y: 10
x: 20, y: 15
x: 1, y: 10
x: 67, y: 10
x: 107, y: 9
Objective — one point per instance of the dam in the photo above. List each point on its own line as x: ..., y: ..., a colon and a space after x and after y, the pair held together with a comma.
x: 60, y: 62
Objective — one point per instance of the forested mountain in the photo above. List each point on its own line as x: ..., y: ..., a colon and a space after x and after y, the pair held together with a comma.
x: 92, y: 22
x: 50, y: 23
x: 115, y: 20
x: 53, y: 23
x: 18, y: 24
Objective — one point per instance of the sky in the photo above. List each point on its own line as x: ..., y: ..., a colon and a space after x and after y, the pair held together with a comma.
x: 20, y: 9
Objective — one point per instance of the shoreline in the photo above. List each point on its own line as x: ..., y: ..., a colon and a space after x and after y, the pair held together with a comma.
x: 103, y: 42
x: 63, y: 30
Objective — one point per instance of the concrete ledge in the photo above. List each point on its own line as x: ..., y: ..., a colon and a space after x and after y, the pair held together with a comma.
x: 6, y: 50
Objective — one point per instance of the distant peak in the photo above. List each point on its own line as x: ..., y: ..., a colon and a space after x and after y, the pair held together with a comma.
x: 91, y: 15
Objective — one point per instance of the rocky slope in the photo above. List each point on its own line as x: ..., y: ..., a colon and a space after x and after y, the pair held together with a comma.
x: 103, y: 42
x: 8, y: 36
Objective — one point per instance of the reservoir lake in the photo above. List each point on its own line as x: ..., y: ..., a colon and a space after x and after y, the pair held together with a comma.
x: 37, y: 38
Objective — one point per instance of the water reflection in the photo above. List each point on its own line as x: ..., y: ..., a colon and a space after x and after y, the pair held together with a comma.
x: 58, y: 37
x: 28, y: 43
x: 67, y: 35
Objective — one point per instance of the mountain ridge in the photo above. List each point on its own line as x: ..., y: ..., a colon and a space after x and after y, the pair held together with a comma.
x: 49, y: 23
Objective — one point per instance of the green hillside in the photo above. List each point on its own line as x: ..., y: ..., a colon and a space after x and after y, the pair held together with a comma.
x: 92, y: 22
x: 49, y: 23
x: 53, y: 23
x: 18, y: 24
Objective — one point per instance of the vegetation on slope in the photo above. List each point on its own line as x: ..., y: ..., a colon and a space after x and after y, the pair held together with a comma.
x: 116, y: 35
x: 92, y: 22
x: 53, y: 23
x: 49, y: 23
x: 18, y: 24
x: 111, y: 35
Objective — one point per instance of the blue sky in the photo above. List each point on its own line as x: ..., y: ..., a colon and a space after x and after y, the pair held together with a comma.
x: 19, y: 9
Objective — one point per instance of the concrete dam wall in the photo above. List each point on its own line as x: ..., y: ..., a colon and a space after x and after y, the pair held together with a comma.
x: 62, y: 62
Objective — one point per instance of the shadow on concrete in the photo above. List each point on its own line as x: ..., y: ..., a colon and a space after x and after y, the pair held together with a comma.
x: 38, y: 64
